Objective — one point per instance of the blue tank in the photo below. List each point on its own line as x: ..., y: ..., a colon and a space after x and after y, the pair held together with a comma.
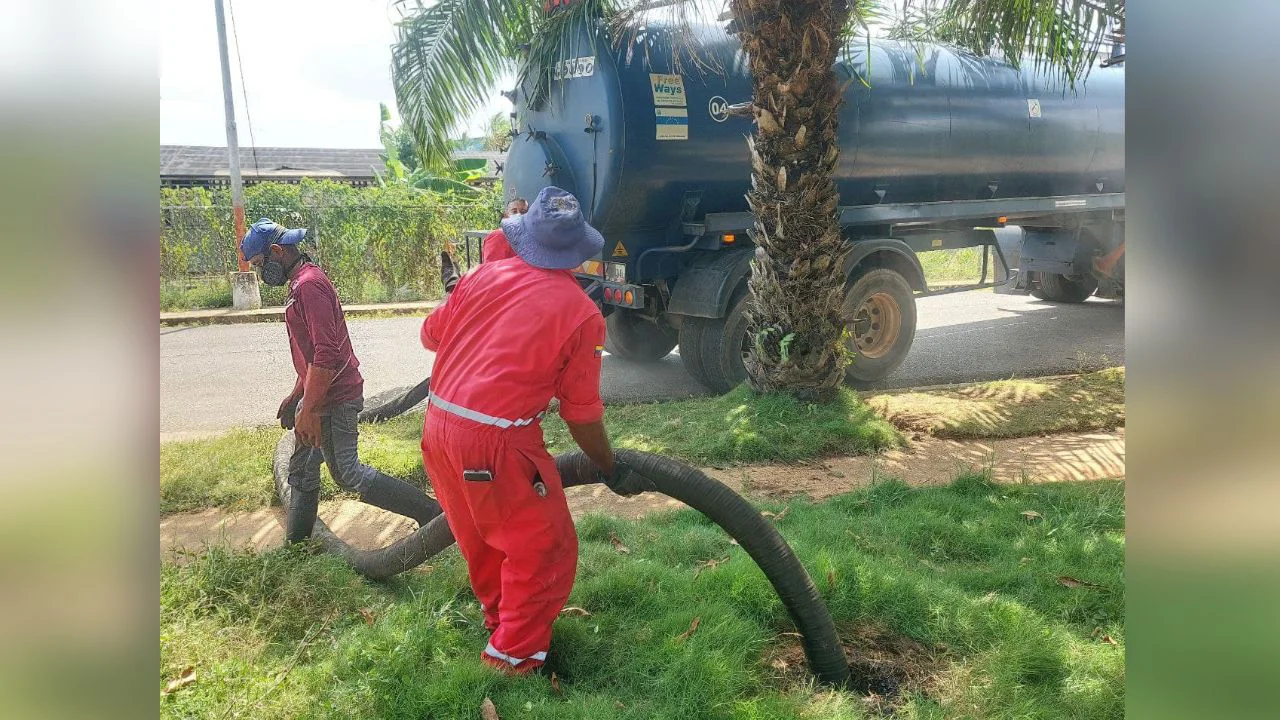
x: 635, y: 138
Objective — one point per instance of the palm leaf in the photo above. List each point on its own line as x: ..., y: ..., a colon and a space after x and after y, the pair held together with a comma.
x: 449, y: 56
x: 1059, y: 36
x: 447, y: 60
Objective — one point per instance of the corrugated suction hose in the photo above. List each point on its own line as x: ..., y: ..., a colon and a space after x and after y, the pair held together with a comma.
x: 756, y: 535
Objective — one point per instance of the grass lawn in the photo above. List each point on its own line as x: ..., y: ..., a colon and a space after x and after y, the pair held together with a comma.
x: 978, y: 609
x: 1010, y: 408
x: 954, y: 267
x: 234, y: 470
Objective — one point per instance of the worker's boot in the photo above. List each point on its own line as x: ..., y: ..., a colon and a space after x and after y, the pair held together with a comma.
x: 399, y: 497
x: 300, y: 518
x: 448, y: 272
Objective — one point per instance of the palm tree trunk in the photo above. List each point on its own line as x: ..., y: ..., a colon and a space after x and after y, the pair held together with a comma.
x: 796, y: 327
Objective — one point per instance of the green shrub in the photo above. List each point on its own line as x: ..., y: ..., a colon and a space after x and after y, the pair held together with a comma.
x: 377, y: 244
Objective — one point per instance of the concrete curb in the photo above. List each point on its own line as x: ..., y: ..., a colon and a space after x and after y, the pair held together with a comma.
x: 226, y: 316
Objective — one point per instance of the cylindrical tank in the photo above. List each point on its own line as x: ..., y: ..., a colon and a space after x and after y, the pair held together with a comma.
x: 633, y: 136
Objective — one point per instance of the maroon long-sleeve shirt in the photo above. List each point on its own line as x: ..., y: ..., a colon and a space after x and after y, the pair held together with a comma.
x: 318, y: 334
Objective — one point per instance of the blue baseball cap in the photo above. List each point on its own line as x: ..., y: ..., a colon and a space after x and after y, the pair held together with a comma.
x: 264, y: 233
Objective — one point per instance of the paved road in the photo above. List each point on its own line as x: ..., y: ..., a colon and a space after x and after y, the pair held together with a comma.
x: 223, y: 376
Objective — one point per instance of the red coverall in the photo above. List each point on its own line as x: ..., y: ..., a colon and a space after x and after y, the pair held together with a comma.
x: 496, y: 247
x: 509, y: 338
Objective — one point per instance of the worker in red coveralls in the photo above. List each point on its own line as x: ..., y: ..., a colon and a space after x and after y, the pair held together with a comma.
x: 493, y: 247
x: 513, y: 334
x: 323, y: 407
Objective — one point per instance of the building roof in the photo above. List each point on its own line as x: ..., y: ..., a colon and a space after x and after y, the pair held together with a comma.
x: 178, y: 161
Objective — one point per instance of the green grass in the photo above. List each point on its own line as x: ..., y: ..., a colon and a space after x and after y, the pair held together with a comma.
x: 959, y: 570
x: 234, y: 470
x: 954, y: 267
x: 215, y: 292
x: 1011, y: 408
x: 194, y: 295
x: 743, y: 427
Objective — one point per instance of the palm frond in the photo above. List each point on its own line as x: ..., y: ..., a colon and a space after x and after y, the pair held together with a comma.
x: 447, y: 60
x: 1060, y: 36
x: 680, y: 27
x: 449, y: 56
x: 553, y: 41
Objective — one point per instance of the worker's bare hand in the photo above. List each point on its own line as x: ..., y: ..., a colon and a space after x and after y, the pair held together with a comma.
x: 307, y: 428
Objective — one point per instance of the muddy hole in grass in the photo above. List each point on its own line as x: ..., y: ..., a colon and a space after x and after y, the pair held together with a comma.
x: 885, y: 668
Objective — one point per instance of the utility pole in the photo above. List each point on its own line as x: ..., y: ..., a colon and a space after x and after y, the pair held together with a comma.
x: 244, y: 284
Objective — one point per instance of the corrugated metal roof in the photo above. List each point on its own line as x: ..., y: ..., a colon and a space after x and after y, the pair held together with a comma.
x: 205, y: 161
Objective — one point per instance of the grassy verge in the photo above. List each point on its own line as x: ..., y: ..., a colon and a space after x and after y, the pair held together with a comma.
x: 953, y: 267
x: 742, y: 427
x: 234, y: 470
x: 1011, y: 408
x: 989, y: 599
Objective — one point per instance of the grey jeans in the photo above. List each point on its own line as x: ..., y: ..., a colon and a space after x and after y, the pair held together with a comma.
x: 339, y: 433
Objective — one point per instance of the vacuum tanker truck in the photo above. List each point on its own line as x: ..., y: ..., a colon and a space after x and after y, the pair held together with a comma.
x: 940, y: 149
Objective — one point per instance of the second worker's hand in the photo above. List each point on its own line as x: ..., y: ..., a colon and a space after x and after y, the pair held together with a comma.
x: 307, y: 428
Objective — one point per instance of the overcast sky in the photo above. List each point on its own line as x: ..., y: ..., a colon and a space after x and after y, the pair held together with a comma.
x: 315, y: 71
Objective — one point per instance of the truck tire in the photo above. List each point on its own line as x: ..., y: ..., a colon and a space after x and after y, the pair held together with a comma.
x: 1060, y: 288
x: 633, y: 338
x: 723, y: 344
x: 691, y: 329
x: 880, y: 312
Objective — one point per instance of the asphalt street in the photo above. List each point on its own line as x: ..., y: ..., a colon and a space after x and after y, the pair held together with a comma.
x: 218, y: 377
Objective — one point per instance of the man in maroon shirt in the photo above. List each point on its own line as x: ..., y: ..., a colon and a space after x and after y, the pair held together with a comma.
x: 326, y: 401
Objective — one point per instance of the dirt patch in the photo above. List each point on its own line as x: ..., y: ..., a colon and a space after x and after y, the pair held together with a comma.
x: 885, y: 668
x: 1009, y: 408
x: 929, y: 461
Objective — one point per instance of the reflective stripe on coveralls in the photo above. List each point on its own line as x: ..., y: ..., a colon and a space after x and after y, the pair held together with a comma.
x: 493, y: 652
x: 482, y: 418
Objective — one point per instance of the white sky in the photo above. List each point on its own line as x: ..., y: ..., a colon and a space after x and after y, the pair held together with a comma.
x: 315, y: 71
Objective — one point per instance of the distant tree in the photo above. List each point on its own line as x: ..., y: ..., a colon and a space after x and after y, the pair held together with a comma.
x: 497, y: 133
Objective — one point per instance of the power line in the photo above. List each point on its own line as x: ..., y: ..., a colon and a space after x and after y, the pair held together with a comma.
x: 244, y: 90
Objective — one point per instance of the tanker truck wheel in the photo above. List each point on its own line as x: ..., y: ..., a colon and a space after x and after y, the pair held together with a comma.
x: 880, y: 312
x: 1064, y: 289
x: 720, y: 346
x: 633, y: 338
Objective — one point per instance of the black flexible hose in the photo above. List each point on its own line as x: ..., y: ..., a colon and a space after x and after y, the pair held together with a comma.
x: 720, y: 504
x: 397, y: 406
x: 756, y: 535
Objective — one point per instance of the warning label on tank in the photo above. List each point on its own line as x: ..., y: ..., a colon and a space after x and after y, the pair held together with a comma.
x: 1033, y: 108
x: 668, y: 90
x: 673, y: 123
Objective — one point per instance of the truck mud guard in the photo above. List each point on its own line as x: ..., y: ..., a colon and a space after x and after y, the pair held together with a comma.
x: 705, y: 288
x: 894, y: 255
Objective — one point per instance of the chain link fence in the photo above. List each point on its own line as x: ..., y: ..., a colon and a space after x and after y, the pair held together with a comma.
x: 373, y: 252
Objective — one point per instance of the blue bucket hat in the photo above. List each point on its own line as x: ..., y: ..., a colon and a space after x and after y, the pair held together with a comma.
x: 264, y: 233
x: 553, y: 235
